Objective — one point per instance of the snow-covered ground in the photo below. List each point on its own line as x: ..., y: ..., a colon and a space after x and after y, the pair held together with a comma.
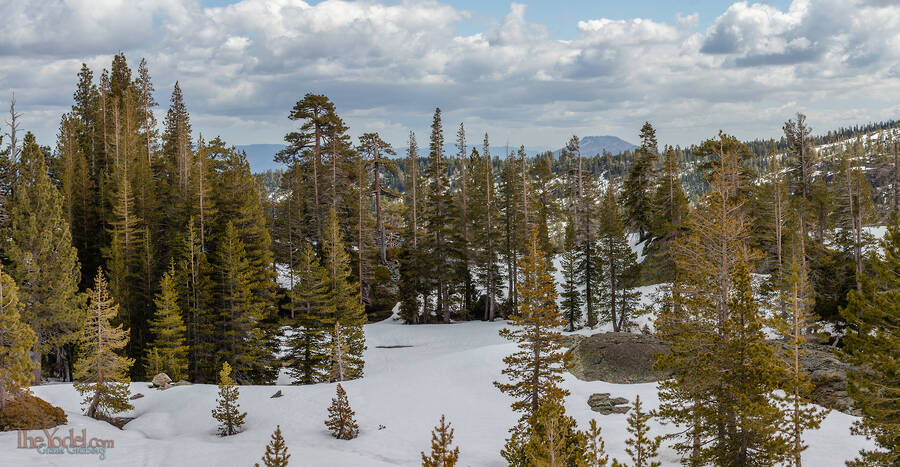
x: 448, y: 370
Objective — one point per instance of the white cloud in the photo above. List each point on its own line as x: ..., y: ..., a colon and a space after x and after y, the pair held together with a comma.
x: 386, y: 66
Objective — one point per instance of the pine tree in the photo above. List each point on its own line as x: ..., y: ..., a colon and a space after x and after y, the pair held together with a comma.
x: 124, y: 264
x: 553, y: 438
x: 43, y: 261
x: 16, y: 338
x: 411, y: 284
x: 642, y: 449
x: 618, y: 299
x: 373, y: 148
x: 227, y: 411
x: 340, y: 416
x: 713, y: 326
x: 536, y: 369
x: 308, y: 345
x: 464, y: 236
x: 595, y: 451
x: 168, y: 329
x: 343, y: 300
x: 670, y: 210
x: 873, y: 345
x: 101, y: 373
x: 443, y: 454
x: 571, y: 296
x: 316, y: 112
x: 800, y: 414
x: 276, y: 451
x: 485, y: 227
x: 438, y: 223
x: 513, y: 227
x: 638, y: 185
x: 239, y: 312
x: 196, y: 297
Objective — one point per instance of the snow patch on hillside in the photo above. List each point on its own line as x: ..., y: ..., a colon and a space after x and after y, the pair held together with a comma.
x: 449, y: 369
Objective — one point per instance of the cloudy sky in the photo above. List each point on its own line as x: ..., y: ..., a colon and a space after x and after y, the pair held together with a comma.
x: 529, y: 73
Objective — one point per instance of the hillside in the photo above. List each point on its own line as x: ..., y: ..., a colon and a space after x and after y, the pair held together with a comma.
x: 446, y: 369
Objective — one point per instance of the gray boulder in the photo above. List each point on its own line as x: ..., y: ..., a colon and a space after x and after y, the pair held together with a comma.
x: 161, y: 381
x: 616, y: 357
x: 605, y: 405
x: 624, y: 358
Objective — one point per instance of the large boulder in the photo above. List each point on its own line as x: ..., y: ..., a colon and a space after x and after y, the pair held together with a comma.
x: 161, y: 381
x: 617, y: 357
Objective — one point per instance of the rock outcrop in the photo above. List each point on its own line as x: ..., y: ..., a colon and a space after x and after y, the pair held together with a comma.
x: 606, y: 405
x: 624, y: 358
x: 617, y: 357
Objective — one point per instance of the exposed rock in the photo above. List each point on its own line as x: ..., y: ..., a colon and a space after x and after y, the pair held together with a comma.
x: 136, y: 395
x: 571, y: 340
x: 628, y: 358
x: 827, y: 373
x: 29, y: 412
x: 276, y: 395
x: 161, y: 381
x: 602, y: 403
x: 182, y: 382
x: 616, y: 357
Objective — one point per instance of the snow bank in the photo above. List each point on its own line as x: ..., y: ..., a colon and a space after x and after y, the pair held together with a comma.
x: 448, y: 370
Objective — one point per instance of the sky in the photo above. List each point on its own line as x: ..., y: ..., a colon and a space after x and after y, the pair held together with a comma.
x: 530, y: 73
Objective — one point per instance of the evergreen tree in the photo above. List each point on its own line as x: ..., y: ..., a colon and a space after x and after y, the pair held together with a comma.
x: 411, y: 283
x: 124, y: 263
x: 547, y: 211
x: 713, y: 326
x: 438, y: 223
x: 873, y: 345
x: 571, y: 296
x: 343, y: 300
x: 553, y: 439
x: 317, y: 116
x: 276, y: 451
x: 240, y: 314
x: 308, y: 345
x: 16, y: 338
x: 43, y: 261
x: 670, y: 209
x: 536, y: 369
x: 373, y: 148
x: 464, y: 228
x: 76, y: 186
x: 196, y: 293
x: 485, y: 232
x: 443, y: 454
x: 800, y: 414
x: 340, y: 416
x: 618, y: 299
x: 595, y: 451
x: 168, y: 330
x: 514, y: 230
x: 589, y: 269
x: 639, y: 184
x: 641, y: 447
x: 101, y: 373
x: 237, y: 200
x: 228, y: 411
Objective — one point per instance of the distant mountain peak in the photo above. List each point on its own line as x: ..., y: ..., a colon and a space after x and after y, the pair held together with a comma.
x: 592, y: 145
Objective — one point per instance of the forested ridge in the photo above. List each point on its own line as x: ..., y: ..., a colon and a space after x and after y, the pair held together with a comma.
x: 135, y: 247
